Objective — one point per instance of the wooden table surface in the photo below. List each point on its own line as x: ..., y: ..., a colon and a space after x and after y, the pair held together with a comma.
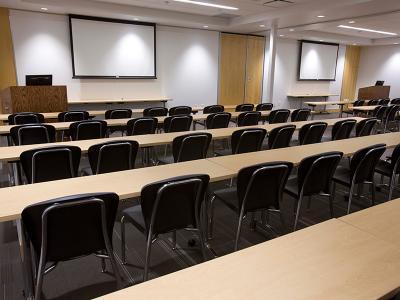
x: 363, y: 108
x: 12, y: 153
x: 97, y: 101
x: 319, y: 103
x: 330, y: 260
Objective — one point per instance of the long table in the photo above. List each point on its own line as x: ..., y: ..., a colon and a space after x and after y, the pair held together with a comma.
x: 330, y: 260
x: 122, y: 100
x: 12, y: 153
x: 325, y: 103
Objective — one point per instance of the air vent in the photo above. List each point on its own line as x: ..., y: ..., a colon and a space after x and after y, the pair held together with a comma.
x: 278, y: 3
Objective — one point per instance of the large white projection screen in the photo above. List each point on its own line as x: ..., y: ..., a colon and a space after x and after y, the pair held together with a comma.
x: 318, y: 61
x: 104, y: 48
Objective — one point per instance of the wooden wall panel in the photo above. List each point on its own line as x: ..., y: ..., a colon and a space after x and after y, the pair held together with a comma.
x: 254, y: 69
x: 350, y: 73
x: 7, y: 65
x: 232, y: 69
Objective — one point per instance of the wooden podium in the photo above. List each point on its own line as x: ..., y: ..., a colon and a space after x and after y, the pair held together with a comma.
x: 373, y: 92
x: 33, y: 99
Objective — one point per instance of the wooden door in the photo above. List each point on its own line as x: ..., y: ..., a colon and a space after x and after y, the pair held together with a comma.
x: 232, y: 69
x: 254, y: 69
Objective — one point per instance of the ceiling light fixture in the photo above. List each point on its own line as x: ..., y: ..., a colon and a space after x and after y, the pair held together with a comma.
x: 136, y: 19
x: 320, y: 16
x: 281, y: 35
x: 395, y: 43
x: 291, y: 29
x: 262, y: 25
x: 207, y: 4
x: 321, y: 40
x: 367, y: 30
x: 205, y: 26
x: 352, y: 22
x: 44, y: 8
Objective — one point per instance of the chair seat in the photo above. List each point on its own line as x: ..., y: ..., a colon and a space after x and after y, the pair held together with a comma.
x: 229, y: 197
x: 292, y: 187
x: 134, y: 215
x: 384, y: 167
x: 342, y: 176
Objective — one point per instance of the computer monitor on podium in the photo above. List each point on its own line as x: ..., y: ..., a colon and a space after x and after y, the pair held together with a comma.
x: 39, y: 80
x: 379, y: 83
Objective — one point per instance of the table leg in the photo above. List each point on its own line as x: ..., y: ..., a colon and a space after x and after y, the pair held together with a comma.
x: 341, y: 110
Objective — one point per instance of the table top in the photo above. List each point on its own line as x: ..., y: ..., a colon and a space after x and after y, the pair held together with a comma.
x: 330, y: 260
x: 122, y: 100
x: 12, y: 153
x: 310, y: 95
x: 382, y: 221
x: 319, y: 103
x: 364, y: 108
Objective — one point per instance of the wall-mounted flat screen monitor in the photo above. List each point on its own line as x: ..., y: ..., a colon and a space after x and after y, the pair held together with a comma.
x: 317, y: 61
x: 39, y: 80
x: 112, y: 48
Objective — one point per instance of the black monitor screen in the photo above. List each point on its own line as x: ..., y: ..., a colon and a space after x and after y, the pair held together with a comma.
x: 379, y: 83
x: 39, y: 79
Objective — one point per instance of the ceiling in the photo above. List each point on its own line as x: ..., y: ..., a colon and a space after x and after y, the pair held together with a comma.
x: 296, y: 19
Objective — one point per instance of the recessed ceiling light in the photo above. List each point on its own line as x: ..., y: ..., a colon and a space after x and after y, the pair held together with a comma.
x: 136, y: 19
x: 291, y: 29
x: 352, y: 22
x: 44, y: 8
x: 366, y: 29
x: 262, y: 25
x: 207, y: 4
x: 320, y: 16
x: 281, y: 35
x: 205, y: 26
x: 321, y: 40
x: 395, y: 43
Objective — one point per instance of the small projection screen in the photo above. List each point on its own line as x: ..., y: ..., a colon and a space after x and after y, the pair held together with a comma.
x: 317, y: 61
x: 111, y: 48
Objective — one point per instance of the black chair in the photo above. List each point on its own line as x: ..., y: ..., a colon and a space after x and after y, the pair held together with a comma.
x: 342, y: 129
x: 385, y: 101
x: 33, y: 134
x: 259, y: 189
x: 373, y: 102
x: 120, y: 113
x: 88, y: 129
x: 180, y: 110
x: 250, y: 118
x: 365, y: 127
x: 165, y: 207
x: 155, y: 112
x: 70, y: 227
x: 301, y: 114
x: 312, y: 133
x: 113, y: 156
x: 355, y: 104
x: 280, y: 137
x: 279, y: 116
x: 391, y: 117
x: 73, y: 116
x: 361, y: 171
x: 395, y: 101
x: 264, y: 106
x: 379, y: 113
x: 245, y: 140
x: 212, y: 109
x: 218, y: 120
x: 314, y: 177
x: 244, y: 107
x: 177, y: 123
x: 50, y: 163
x: 189, y: 147
x: 25, y: 118
x: 140, y: 126
x: 390, y: 168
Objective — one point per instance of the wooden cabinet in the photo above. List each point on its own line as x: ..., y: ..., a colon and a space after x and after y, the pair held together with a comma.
x: 240, y: 69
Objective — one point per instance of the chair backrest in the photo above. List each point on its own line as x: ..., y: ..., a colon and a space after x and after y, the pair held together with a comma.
x: 139, y: 126
x: 315, y: 172
x: 365, y: 127
x: 342, y: 129
x: 88, y: 129
x: 312, y: 133
x: 280, y: 137
x: 279, y: 116
x: 395, y: 101
x: 301, y: 114
x: 395, y: 159
x: 218, y: 120
x: 180, y: 110
x: 379, y: 112
x: 113, y: 156
x: 260, y: 187
x: 212, y: 109
x: 359, y: 103
x: 190, y: 146
x: 33, y: 134
x: 155, y: 112
x: 364, y: 161
x: 264, y: 106
x: 25, y: 118
x: 373, y: 102
x: 72, y: 226
x: 392, y: 112
x: 174, y: 203
x: 73, y: 116
x: 384, y: 101
x: 50, y: 163
x: 247, y: 140
x: 244, y: 107
x: 249, y: 118
x: 177, y: 123
x: 119, y: 113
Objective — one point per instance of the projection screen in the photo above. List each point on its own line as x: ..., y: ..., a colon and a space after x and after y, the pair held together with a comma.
x: 318, y: 61
x: 111, y: 48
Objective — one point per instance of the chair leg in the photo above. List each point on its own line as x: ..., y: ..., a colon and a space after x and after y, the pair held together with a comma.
x: 111, y: 255
x: 350, y: 198
x: 147, y: 262
x: 297, y: 213
x: 239, y: 229
x: 123, y: 250
x: 103, y: 264
x: 39, y: 279
x: 210, y: 225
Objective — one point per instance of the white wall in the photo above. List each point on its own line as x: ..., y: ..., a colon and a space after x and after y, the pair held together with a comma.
x: 286, y: 71
x: 380, y: 63
x: 187, y: 62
